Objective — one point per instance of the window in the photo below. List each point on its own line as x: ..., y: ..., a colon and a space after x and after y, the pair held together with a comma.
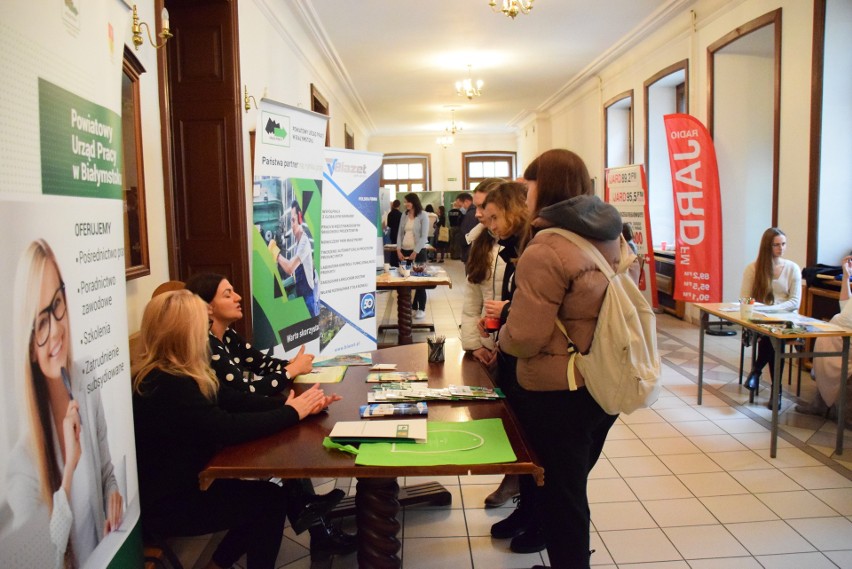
x: 403, y: 173
x: 348, y: 137
x: 136, y: 263
x: 481, y: 165
x: 618, y: 130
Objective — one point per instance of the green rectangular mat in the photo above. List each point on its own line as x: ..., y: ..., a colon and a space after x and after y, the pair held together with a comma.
x: 471, y: 442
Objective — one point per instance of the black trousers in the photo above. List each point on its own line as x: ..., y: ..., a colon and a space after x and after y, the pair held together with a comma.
x: 567, y: 429
x: 419, y: 302
x: 766, y: 355
x: 253, y: 512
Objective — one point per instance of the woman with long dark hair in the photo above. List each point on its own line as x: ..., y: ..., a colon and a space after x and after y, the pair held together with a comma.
x: 772, y: 280
x: 411, y: 245
x: 555, y: 279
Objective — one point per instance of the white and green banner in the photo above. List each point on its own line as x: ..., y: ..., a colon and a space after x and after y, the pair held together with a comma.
x: 287, y: 216
x: 68, y: 486
x: 350, y: 209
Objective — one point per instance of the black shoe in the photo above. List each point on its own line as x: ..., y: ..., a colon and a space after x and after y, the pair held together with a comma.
x: 530, y: 541
x: 752, y: 381
x: 513, y: 526
x: 316, y: 509
x: 330, y: 540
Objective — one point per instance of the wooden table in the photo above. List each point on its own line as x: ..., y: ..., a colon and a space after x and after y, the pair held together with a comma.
x: 403, y: 288
x: 297, y: 452
x: 777, y: 338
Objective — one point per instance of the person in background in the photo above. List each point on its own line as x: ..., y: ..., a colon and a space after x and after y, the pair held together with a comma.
x: 411, y: 245
x: 827, y: 371
x: 441, y: 246
x: 182, y: 418
x: 556, y: 279
x: 301, y: 265
x: 60, y: 473
x: 468, y: 222
x: 490, y: 267
x: 627, y: 233
x: 238, y: 365
x: 454, y: 217
x: 433, y: 224
x: 775, y: 281
x: 391, y: 222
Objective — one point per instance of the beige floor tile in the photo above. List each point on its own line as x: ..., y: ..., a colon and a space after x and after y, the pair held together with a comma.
x: 658, y: 487
x: 712, y: 484
x: 689, y: 463
x: 622, y: 448
x: 672, y: 445
x: 679, y: 512
x: 647, y: 431
x: 739, y: 460
x: 817, y: 477
x: 840, y: 499
x: 792, y: 505
x: 703, y: 542
x: 639, y: 546
x: 704, y: 427
x: 796, y: 561
x: 825, y: 534
x: 768, y: 538
x: 639, y: 466
x: 768, y: 480
x: 717, y: 443
x: 437, y: 553
x: 609, y: 490
x: 738, y: 508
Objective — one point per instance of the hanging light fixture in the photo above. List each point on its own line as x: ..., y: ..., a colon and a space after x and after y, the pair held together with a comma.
x: 512, y: 8
x: 469, y: 88
x: 450, y: 131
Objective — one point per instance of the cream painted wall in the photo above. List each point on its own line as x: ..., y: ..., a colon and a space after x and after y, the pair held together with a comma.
x: 139, y: 290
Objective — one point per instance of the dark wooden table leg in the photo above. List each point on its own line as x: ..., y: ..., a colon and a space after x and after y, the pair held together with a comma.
x: 377, y: 507
x: 403, y: 311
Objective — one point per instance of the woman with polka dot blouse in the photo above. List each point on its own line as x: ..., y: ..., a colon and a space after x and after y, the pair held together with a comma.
x: 236, y: 362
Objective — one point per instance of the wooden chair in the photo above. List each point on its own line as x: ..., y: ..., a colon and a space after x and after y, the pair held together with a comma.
x: 168, y: 286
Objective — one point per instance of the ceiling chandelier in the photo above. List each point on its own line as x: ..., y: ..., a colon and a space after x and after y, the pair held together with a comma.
x: 512, y: 7
x: 450, y: 131
x: 468, y: 88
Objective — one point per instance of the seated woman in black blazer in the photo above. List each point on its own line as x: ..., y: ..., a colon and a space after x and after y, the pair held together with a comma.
x: 239, y: 365
x: 182, y: 418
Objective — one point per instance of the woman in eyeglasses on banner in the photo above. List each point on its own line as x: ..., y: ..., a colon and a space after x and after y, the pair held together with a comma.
x: 60, y: 475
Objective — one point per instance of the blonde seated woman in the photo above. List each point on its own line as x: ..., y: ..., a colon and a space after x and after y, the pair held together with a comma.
x: 182, y: 419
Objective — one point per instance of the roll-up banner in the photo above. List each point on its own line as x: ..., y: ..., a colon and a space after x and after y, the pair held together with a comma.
x: 697, y: 208
x: 350, y: 210
x: 68, y: 486
x: 287, y: 215
x: 627, y: 190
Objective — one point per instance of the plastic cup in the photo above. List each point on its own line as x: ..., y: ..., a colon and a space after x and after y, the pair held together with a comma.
x: 387, y: 268
x: 746, y: 311
x: 492, y: 324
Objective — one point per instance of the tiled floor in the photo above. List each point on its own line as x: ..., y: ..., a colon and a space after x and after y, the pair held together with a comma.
x: 679, y: 485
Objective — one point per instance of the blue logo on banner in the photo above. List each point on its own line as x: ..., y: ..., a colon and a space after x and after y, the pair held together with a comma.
x: 368, y: 305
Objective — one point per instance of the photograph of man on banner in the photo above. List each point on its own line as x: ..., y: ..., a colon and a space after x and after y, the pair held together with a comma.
x: 300, y: 265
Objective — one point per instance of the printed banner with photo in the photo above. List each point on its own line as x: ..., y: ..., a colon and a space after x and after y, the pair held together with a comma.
x: 287, y: 215
x: 68, y: 486
x: 697, y: 208
x: 350, y: 209
x: 627, y: 190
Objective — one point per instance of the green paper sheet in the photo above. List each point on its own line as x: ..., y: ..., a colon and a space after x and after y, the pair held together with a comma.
x: 471, y: 442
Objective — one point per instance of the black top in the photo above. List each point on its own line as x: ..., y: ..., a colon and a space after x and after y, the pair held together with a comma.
x: 455, y: 217
x: 394, y: 215
x: 232, y: 357
x: 468, y: 222
x: 178, y: 431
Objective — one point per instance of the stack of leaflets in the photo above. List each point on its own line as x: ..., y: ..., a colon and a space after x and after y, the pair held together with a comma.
x: 406, y: 430
x: 389, y: 392
x: 396, y: 376
x: 389, y: 409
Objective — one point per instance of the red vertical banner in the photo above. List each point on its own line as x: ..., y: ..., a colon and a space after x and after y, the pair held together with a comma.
x: 697, y: 210
x: 627, y: 190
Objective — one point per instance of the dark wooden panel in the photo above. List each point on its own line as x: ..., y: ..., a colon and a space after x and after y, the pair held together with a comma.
x: 208, y: 175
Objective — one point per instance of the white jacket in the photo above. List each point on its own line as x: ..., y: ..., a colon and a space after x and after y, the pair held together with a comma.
x: 475, y: 296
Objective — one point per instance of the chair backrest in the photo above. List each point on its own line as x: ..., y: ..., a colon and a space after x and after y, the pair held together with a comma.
x: 168, y: 286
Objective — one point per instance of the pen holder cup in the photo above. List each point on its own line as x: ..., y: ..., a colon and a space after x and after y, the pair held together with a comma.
x: 746, y: 311
x: 436, y: 351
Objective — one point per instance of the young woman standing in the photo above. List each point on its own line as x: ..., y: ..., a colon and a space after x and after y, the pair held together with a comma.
x: 411, y: 245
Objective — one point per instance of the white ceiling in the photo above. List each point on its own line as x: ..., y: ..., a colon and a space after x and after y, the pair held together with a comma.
x: 401, y: 58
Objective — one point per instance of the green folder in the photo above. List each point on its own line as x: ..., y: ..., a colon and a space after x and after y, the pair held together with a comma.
x: 470, y: 442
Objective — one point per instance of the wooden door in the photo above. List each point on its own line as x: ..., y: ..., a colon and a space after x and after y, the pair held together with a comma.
x: 209, y: 203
